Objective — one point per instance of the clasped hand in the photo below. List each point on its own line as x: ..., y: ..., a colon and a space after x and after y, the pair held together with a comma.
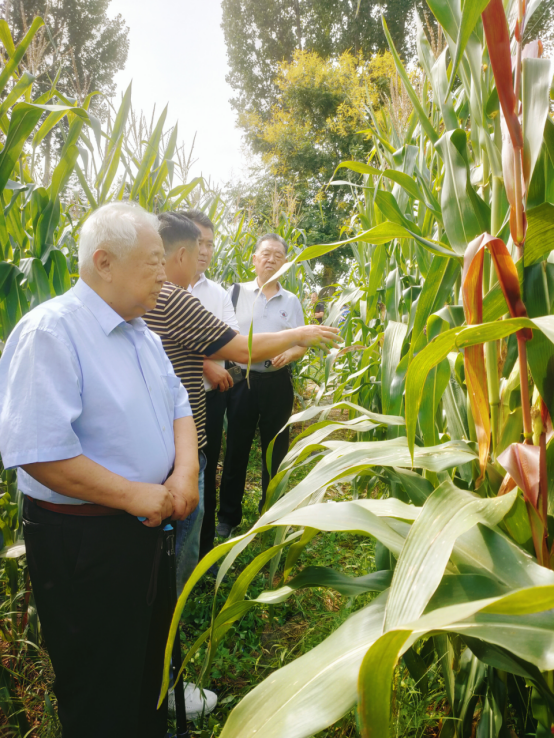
x: 217, y: 376
x: 176, y: 498
x: 183, y: 488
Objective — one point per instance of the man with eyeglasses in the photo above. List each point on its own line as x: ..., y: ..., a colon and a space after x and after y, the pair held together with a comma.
x: 217, y: 379
x: 267, y: 400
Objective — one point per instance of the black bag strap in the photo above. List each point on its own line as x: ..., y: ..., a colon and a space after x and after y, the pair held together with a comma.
x: 235, y: 294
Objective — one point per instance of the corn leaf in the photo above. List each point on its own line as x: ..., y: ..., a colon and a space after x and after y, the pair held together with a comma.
x: 498, y: 43
x: 149, y: 157
x: 460, y: 338
x: 447, y: 513
x: 442, y: 90
x: 299, y: 700
x: 539, y: 241
x: 6, y: 37
x: 401, y: 178
x: 63, y: 170
x: 460, y: 221
x: 422, y: 115
x: 19, y: 51
x: 375, y: 685
x: 391, y: 392
x: 536, y: 81
x: 427, y: 298
x: 521, y: 461
x: 23, y: 84
x: 471, y: 12
x: 379, y: 234
x: 113, y: 153
x: 474, y: 356
x: 448, y: 15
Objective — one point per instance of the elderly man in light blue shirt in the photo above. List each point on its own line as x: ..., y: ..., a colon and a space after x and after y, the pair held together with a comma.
x: 102, y: 433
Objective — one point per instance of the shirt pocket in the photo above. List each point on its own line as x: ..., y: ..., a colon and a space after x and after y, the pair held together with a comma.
x: 171, y: 384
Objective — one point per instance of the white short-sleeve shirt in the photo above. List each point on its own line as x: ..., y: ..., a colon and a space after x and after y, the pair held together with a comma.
x: 278, y: 313
x: 215, y: 299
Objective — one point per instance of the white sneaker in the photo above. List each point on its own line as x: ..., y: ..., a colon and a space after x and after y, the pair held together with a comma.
x: 197, y: 702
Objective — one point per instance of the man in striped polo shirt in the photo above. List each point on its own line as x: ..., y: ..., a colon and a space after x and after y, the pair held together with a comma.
x: 217, y: 380
x: 189, y: 333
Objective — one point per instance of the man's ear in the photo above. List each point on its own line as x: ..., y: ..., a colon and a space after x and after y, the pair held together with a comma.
x: 181, y: 255
x: 102, y: 261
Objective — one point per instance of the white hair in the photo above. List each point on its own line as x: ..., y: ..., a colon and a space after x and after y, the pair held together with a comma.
x: 113, y: 227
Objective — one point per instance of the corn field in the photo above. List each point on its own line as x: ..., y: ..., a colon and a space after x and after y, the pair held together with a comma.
x: 446, y: 376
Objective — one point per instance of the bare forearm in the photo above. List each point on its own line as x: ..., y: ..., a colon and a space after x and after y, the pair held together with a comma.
x: 186, y: 447
x: 268, y: 345
x: 264, y: 346
x: 183, y: 482
x: 297, y: 352
x: 84, y: 479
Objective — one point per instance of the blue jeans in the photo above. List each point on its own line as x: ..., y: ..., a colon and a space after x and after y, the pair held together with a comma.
x: 187, y: 534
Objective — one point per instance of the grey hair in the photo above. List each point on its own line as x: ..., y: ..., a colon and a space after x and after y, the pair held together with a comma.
x: 271, y: 237
x: 114, y: 227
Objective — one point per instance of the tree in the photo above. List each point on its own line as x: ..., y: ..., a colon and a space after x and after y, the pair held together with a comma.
x: 261, y: 34
x: 320, y: 108
x: 80, y: 42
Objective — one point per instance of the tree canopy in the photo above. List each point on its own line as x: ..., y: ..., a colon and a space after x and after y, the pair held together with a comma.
x: 261, y: 34
x: 80, y: 42
x: 320, y: 109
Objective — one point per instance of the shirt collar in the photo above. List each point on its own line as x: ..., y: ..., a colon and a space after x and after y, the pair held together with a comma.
x: 255, y: 287
x: 202, y: 278
x: 104, y: 314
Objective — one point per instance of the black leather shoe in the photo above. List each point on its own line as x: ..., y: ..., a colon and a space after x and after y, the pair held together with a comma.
x: 224, y: 530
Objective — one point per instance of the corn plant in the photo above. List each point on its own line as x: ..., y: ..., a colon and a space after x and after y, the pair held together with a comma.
x: 447, y: 378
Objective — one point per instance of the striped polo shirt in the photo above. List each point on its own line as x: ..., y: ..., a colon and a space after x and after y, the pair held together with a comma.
x: 189, y: 332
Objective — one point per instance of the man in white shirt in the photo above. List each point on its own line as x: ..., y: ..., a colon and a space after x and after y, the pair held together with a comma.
x: 268, y: 401
x: 217, y: 379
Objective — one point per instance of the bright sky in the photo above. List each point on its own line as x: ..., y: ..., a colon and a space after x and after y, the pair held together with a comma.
x: 177, y: 55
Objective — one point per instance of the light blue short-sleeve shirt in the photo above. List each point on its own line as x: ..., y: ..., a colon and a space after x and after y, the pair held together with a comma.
x: 75, y: 378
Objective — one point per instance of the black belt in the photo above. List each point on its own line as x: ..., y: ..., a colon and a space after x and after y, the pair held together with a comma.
x: 256, y: 374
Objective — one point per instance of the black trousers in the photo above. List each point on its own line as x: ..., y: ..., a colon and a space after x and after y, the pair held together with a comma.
x: 101, y: 589
x: 267, y: 403
x: 216, y: 402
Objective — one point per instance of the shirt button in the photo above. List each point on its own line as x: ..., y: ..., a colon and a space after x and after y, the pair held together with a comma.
x: 163, y: 428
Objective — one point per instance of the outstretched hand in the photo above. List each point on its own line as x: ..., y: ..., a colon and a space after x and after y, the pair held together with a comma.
x: 318, y: 336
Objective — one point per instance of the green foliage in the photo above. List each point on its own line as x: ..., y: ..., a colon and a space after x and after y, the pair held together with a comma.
x: 467, y: 547
x: 261, y: 35
x: 80, y: 46
x: 462, y: 550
